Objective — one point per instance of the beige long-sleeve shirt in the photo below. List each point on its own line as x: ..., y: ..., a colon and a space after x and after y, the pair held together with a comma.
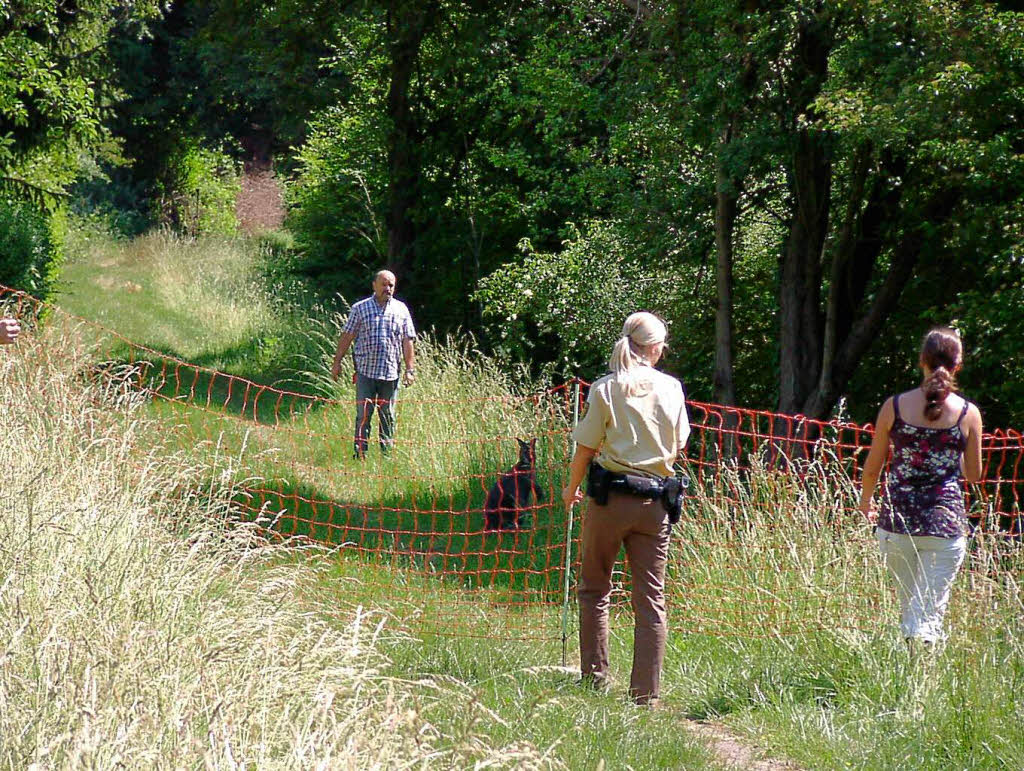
x: 636, y: 434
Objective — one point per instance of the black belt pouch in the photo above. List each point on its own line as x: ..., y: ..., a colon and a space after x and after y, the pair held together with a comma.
x: 599, y: 479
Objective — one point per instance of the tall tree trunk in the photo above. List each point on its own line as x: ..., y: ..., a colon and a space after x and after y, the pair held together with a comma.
x: 800, y: 269
x: 726, y: 206
x: 905, y: 255
x: 838, y: 289
x: 407, y: 25
x: 800, y: 318
x: 729, y: 182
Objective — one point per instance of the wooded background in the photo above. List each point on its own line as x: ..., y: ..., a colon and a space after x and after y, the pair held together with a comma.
x: 800, y: 188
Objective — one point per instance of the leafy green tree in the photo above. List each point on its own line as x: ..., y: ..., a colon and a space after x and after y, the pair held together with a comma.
x: 916, y: 122
x: 54, y: 65
x: 213, y: 77
x: 54, y: 71
x: 867, y: 134
x: 441, y: 157
x: 264, y: 68
x: 574, y: 297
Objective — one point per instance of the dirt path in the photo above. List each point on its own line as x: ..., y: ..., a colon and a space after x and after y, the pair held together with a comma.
x: 260, y: 205
x: 731, y: 752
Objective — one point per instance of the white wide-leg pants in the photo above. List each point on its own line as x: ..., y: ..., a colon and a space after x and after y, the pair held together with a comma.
x: 924, y: 568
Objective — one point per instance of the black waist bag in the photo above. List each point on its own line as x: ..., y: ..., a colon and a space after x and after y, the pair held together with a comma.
x: 672, y: 494
x: 669, y: 490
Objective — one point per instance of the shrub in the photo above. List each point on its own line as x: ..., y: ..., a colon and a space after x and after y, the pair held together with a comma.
x: 107, y: 195
x: 276, y: 243
x: 336, y: 204
x: 279, y: 254
x: 577, y: 297
x: 199, y: 191
x: 31, y: 247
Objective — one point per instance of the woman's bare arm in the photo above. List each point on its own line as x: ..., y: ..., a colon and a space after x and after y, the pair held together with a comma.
x: 971, y: 462
x: 876, y: 457
x: 577, y: 470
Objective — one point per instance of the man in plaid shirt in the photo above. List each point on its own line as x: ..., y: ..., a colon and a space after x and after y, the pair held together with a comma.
x: 382, y: 330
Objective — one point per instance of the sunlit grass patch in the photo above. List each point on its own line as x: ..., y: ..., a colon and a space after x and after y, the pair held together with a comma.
x: 782, y: 622
x: 143, y: 630
x: 204, y: 300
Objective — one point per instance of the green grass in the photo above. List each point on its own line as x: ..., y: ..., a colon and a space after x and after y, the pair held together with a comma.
x: 783, y: 625
x: 860, y: 701
x: 818, y: 675
x: 456, y: 425
x: 203, y: 301
x: 142, y: 632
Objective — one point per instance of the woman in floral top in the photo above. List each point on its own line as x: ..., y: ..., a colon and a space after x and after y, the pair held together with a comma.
x: 936, y: 440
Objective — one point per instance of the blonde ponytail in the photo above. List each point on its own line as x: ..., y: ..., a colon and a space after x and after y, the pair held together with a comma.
x: 622, y: 356
x: 640, y: 330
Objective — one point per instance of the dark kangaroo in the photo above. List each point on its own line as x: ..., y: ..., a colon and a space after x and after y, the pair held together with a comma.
x: 510, y: 495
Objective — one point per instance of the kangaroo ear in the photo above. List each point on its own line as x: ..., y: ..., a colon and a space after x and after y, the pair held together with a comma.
x: 521, y: 442
x: 533, y: 443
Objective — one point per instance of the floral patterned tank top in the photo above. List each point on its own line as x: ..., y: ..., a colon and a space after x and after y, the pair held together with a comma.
x: 923, y: 492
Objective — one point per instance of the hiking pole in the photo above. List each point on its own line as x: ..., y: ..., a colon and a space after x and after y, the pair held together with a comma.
x: 568, y: 532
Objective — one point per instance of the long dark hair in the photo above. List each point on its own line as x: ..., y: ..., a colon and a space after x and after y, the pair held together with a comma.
x: 942, y: 353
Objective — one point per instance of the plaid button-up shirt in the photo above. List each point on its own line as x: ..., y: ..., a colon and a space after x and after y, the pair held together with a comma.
x: 379, y: 332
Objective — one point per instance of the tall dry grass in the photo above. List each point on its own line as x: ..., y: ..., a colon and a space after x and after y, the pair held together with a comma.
x: 786, y: 626
x: 140, y: 630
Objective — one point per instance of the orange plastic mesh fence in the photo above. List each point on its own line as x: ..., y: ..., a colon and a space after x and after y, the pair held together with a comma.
x: 770, y: 543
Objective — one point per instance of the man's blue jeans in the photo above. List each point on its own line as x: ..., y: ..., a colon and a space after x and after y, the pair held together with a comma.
x: 372, y: 393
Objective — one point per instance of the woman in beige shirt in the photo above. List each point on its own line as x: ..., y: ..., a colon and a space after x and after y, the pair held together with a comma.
x: 636, y: 428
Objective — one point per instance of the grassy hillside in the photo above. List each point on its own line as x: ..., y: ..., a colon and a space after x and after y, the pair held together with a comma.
x: 142, y: 630
x: 782, y: 622
x: 203, y: 301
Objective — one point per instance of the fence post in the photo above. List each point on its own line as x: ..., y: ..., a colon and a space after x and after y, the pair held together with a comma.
x: 568, y: 530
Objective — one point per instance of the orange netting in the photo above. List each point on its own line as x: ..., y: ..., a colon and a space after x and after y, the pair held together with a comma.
x: 770, y: 543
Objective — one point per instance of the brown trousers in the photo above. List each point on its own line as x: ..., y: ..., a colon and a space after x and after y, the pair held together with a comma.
x: 643, y: 526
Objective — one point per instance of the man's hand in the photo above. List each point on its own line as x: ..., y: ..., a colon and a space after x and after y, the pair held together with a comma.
x: 344, y: 343
x: 9, y: 331
x: 409, y: 378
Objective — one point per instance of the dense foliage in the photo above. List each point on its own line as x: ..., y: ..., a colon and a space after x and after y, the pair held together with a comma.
x: 198, y: 190
x: 30, y: 247
x: 800, y: 187
x: 54, y: 62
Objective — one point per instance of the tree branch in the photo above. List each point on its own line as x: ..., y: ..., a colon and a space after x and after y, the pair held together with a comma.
x: 863, y: 332
x: 640, y: 8
x: 616, y: 55
x: 32, y: 188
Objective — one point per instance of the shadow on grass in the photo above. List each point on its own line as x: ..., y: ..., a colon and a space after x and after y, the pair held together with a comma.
x: 261, y: 397
x: 449, y: 544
